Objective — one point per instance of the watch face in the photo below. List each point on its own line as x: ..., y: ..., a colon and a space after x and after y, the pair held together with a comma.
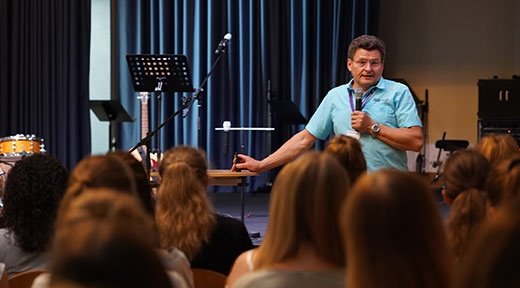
x: 375, y: 128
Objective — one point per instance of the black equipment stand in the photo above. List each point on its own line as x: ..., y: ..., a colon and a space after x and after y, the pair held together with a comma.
x: 158, y: 73
x: 111, y: 111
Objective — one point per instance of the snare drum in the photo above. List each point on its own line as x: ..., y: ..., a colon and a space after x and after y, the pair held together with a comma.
x: 20, y: 145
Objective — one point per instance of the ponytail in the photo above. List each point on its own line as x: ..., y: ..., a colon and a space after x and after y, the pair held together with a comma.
x: 184, y: 214
x: 468, y: 211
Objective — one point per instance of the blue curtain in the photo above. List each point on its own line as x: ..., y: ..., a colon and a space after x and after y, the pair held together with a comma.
x: 44, y: 74
x: 299, y: 46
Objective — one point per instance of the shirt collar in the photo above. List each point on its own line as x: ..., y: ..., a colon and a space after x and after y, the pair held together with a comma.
x: 380, y: 85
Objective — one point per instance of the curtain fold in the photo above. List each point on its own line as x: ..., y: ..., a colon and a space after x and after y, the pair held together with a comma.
x: 298, y: 46
x: 44, y: 71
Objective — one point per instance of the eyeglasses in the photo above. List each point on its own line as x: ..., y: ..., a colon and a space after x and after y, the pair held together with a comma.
x: 363, y: 63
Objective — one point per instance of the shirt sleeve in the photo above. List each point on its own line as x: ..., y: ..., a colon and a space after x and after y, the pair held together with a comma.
x: 406, y: 110
x: 320, y: 125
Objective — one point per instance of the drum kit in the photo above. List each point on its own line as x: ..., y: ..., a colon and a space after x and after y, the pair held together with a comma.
x: 14, y: 148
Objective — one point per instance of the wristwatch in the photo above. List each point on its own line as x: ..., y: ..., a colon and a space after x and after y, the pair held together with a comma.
x: 374, y: 130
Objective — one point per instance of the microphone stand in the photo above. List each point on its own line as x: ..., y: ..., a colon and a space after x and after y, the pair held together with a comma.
x: 421, y: 158
x: 187, y: 102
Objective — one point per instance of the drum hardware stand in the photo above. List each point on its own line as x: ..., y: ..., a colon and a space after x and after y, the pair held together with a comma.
x: 449, y: 146
x: 437, y: 163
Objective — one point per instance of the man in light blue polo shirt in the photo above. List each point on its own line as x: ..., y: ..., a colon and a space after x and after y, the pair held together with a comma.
x: 385, y: 118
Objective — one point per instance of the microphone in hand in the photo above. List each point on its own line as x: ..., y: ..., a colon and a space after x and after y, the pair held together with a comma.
x: 359, y: 103
x: 221, y: 48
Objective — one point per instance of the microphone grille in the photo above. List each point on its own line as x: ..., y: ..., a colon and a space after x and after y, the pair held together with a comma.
x: 358, y: 92
x: 228, y: 36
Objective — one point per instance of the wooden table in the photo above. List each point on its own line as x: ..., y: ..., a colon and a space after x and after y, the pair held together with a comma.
x: 226, y: 177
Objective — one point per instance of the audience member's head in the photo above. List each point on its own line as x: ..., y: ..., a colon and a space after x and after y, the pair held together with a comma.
x: 393, y: 233
x: 493, y: 257
x: 33, y: 191
x: 142, y: 181
x: 184, y: 215
x: 512, y: 181
x: 105, y: 239
x: 303, y: 211
x: 99, y: 171
x: 464, y: 177
x: 193, y: 157
x: 347, y: 151
x: 499, y: 174
x: 498, y: 147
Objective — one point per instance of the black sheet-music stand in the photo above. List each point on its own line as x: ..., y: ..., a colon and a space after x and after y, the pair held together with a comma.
x: 110, y: 111
x: 286, y: 112
x: 160, y: 73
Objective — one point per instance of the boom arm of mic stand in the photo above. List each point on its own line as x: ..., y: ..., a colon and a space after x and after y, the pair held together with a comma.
x: 201, y: 88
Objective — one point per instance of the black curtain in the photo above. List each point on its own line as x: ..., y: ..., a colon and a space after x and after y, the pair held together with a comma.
x: 44, y: 74
x: 299, y: 46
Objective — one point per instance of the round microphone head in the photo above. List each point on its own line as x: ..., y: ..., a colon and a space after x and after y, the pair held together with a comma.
x: 358, y: 92
x: 227, y: 36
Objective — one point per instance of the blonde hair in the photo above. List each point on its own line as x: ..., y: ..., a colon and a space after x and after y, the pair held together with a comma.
x: 184, y: 215
x: 497, y: 147
x: 347, y: 151
x: 393, y: 233
x: 304, y: 208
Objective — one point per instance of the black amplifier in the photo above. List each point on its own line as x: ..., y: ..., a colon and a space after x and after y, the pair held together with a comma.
x: 499, y: 99
x: 500, y: 127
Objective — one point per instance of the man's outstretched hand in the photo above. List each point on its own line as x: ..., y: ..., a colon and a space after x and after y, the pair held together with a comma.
x: 242, y: 161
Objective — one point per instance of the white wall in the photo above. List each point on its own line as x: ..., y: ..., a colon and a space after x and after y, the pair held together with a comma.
x: 446, y: 46
x: 100, y: 70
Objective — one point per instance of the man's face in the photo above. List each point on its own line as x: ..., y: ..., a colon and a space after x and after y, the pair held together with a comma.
x: 366, y: 68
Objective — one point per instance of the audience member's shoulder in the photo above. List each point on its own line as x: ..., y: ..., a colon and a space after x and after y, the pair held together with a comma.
x: 228, y: 220
x: 273, y: 278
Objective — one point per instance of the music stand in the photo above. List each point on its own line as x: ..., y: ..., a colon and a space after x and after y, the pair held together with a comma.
x: 286, y: 112
x: 110, y: 111
x: 160, y: 73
